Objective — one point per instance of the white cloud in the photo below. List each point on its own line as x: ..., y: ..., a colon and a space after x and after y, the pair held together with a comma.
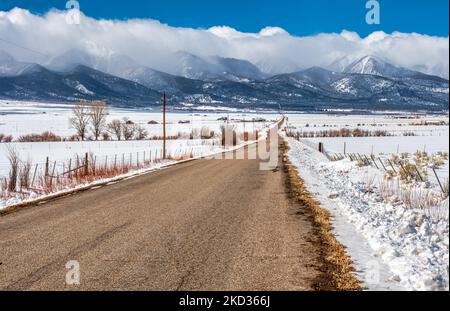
x: 273, y: 49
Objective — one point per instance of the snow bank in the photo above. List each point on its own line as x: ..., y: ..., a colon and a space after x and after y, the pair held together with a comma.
x: 411, y: 243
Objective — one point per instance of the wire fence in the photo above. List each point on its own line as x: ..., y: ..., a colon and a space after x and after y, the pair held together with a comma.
x: 388, y: 166
x: 52, y: 175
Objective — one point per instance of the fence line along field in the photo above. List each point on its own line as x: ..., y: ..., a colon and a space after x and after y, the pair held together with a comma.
x: 47, y: 148
x: 22, y: 125
x: 401, y: 139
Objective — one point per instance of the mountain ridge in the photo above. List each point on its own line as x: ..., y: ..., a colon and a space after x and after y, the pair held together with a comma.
x: 366, y: 83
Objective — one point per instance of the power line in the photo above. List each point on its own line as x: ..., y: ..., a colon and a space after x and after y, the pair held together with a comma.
x: 23, y: 47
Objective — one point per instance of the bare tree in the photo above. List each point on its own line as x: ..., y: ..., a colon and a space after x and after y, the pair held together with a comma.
x: 128, y: 129
x: 115, y: 127
x: 80, y: 119
x: 141, y: 132
x: 98, y: 112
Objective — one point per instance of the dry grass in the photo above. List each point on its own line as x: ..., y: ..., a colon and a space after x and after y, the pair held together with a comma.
x: 337, y: 266
x: 44, y: 137
x: 24, y: 175
x: 343, y: 132
x: 413, y: 197
x: 82, y: 170
x: 13, y: 158
x: 445, y: 187
x: 5, y: 138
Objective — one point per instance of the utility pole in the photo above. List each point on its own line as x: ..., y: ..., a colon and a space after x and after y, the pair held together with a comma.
x: 164, y: 127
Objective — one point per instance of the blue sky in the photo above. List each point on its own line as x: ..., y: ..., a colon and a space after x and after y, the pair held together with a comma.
x: 298, y: 17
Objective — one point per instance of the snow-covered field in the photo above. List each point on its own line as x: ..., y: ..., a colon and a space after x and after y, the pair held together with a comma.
x: 393, y: 247
x: 104, y: 151
x: 386, y: 145
x: 431, y: 138
x: 22, y: 118
x: 395, y: 124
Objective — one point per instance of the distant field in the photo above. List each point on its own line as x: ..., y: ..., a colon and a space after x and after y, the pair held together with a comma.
x: 22, y: 118
x: 428, y: 138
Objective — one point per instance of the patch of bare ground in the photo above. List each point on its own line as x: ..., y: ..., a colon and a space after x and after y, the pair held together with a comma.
x: 336, y: 267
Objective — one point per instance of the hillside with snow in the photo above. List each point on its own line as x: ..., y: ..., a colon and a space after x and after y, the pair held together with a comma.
x: 368, y: 83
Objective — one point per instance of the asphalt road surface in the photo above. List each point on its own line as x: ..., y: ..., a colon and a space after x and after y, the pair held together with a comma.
x: 201, y: 225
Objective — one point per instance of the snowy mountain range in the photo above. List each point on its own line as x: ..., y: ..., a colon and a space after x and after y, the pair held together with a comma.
x: 9, y: 66
x: 370, y: 65
x: 366, y: 83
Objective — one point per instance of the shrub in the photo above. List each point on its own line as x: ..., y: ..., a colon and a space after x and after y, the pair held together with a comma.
x: 13, y: 158
x: 389, y: 174
x: 24, y: 178
x: 7, y: 139
x: 445, y: 189
x: 106, y: 136
x: 408, y: 173
x: 44, y: 137
x: 140, y: 132
x: 443, y: 155
x: 74, y: 138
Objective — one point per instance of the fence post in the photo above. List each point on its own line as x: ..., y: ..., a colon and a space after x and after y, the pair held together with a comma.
x: 374, y: 162
x: 34, y: 175
x: 382, y: 164
x: 320, y: 147
x: 46, y: 167
x: 439, y: 181
x: 360, y: 158
x: 70, y: 168
x: 367, y: 160
x: 403, y: 168
x: 390, y: 163
x: 86, y: 164
x: 418, y: 173
x: 94, y: 164
x: 53, y: 173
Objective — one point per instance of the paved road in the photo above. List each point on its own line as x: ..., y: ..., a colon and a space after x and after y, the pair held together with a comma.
x: 202, y: 225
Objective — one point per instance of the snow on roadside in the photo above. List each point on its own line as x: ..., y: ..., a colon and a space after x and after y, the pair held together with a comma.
x: 403, y: 248
x: 19, y: 198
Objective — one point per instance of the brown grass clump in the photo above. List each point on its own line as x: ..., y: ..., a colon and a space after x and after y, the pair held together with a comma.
x: 5, y: 138
x: 44, y: 137
x: 343, y: 132
x: 337, y: 266
x: 13, y: 158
